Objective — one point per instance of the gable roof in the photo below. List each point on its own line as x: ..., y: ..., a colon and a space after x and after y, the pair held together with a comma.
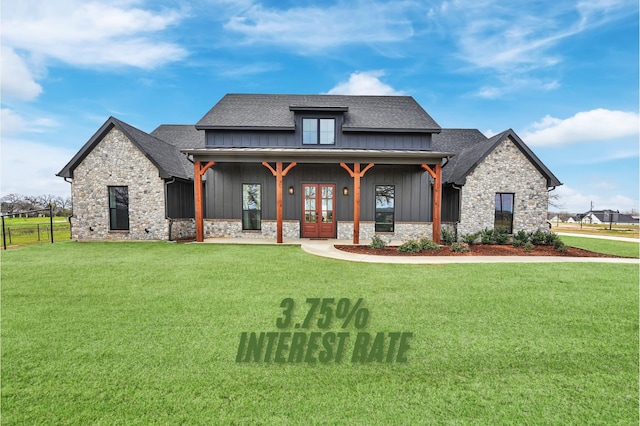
x: 472, y: 147
x: 167, y: 157
x: 277, y: 112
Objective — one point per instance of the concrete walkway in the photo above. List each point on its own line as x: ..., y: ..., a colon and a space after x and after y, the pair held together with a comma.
x: 325, y: 248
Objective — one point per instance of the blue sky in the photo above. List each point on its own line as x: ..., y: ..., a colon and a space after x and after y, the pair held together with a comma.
x: 562, y: 74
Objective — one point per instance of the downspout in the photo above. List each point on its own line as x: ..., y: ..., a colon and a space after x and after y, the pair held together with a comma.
x: 166, y: 205
x: 70, y: 182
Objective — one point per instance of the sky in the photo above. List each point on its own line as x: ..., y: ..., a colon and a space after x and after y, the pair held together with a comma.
x: 563, y: 74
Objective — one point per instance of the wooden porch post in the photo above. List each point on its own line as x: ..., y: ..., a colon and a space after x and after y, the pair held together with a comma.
x: 279, y: 174
x: 199, y: 171
x: 437, y: 199
x: 356, y: 174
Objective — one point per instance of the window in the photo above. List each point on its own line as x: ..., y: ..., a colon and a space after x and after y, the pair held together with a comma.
x: 251, y: 207
x: 119, y: 208
x: 318, y: 131
x: 504, y: 212
x: 385, y: 208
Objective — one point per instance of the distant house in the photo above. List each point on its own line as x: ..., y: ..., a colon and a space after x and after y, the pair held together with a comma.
x: 608, y: 216
x: 304, y: 166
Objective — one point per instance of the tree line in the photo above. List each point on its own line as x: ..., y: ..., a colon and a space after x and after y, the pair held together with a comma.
x: 15, y: 203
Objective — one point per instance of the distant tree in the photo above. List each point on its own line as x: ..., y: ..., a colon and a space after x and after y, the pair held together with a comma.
x: 554, y: 201
x: 10, y: 203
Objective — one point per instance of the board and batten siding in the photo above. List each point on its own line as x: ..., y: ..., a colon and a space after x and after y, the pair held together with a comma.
x: 293, y: 139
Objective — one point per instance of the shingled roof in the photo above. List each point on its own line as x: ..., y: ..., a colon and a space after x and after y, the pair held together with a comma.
x: 361, y: 113
x: 164, y: 155
x: 471, y: 147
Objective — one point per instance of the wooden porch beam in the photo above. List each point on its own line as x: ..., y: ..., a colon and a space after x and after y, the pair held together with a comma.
x: 198, y: 171
x: 356, y: 174
x: 279, y: 173
x: 437, y: 199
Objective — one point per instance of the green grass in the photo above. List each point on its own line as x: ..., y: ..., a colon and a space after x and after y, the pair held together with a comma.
x: 147, y: 333
x: 617, y: 248
x: 23, y: 231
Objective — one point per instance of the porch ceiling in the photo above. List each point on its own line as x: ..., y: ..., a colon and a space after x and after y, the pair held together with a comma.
x: 306, y: 155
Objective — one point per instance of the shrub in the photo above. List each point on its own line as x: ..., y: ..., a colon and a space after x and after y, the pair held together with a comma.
x: 520, y: 238
x: 377, y: 242
x: 528, y: 246
x: 448, y: 237
x: 487, y: 237
x: 411, y: 246
x: 459, y: 247
x: 469, y: 238
x: 559, y: 245
x: 427, y: 244
x: 550, y: 238
x: 537, y: 238
x: 501, y: 236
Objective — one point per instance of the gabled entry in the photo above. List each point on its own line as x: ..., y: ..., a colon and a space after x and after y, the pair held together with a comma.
x: 318, y: 210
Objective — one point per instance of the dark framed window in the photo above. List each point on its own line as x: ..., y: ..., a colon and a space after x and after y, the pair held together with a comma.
x: 119, y: 208
x: 320, y: 131
x: 251, y: 207
x: 385, y: 208
x: 504, y: 211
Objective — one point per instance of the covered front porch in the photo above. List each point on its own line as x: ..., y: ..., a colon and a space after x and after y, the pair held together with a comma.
x: 354, y: 164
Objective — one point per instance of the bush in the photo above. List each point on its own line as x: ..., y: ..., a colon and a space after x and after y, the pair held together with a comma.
x: 550, y: 238
x: 448, y: 237
x: 559, y: 245
x: 537, y: 238
x: 469, y: 238
x: 520, y: 238
x: 501, y: 236
x: 377, y: 242
x: 427, y: 244
x: 459, y: 247
x: 411, y: 246
x: 487, y: 237
x: 528, y: 246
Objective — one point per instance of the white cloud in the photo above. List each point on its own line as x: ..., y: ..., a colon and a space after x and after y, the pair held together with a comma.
x: 518, y: 39
x: 11, y: 122
x: 81, y: 33
x: 17, y: 81
x: 594, y: 125
x: 364, y: 83
x: 574, y: 201
x: 314, y: 28
x: 33, y: 174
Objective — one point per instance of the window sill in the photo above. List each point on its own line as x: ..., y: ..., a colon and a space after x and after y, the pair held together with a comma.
x: 252, y: 231
x: 118, y: 231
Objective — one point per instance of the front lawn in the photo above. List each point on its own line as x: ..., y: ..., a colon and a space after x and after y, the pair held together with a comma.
x: 148, y: 333
x: 617, y: 248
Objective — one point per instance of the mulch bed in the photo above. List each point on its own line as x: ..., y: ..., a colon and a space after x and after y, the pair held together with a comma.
x: 476, y: 250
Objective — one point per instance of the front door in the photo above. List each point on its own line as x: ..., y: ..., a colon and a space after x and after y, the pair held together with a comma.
x: 318, y: 210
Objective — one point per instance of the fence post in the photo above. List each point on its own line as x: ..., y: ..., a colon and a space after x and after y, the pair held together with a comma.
x: 4, y: 235
x: 9, y: 231
x: 38, y: 226
x: 51, y: 221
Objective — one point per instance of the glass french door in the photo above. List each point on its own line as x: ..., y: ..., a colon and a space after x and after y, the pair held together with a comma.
x: 318, y: 210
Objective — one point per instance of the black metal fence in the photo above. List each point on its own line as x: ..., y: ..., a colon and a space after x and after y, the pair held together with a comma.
x: 30, y: 232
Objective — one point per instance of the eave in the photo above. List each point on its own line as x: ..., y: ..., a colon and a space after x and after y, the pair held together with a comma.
x: 322, y: 156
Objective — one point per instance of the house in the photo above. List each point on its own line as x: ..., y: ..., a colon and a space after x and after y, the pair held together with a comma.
x: 305, y: 166
x: 608, y: 216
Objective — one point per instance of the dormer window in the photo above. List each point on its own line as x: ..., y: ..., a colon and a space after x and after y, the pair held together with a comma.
x: 320, y: 131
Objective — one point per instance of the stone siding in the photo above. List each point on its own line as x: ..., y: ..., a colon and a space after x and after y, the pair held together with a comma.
x: 182, y: 229
x: 116, y: 161
x: 404, y: 231
x: 232, y: 228
x: 507, y: 170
